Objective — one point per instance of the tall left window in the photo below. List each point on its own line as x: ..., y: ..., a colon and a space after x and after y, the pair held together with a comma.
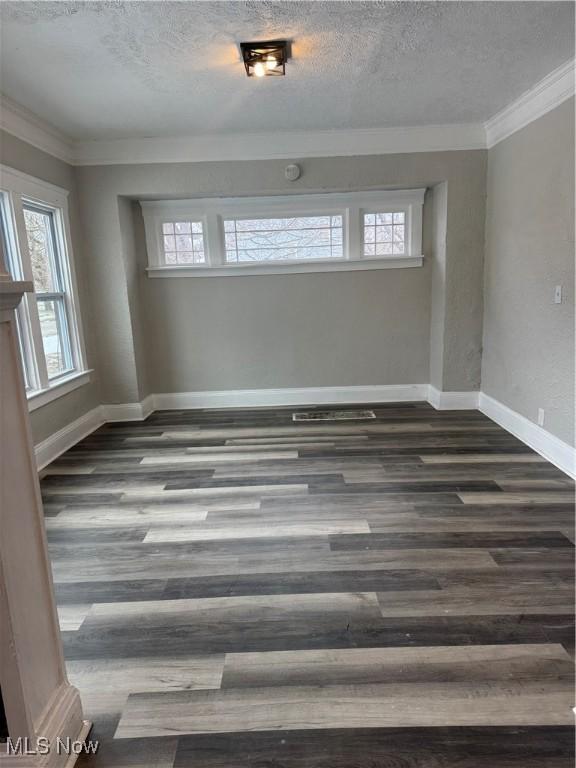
x: 36, y: 244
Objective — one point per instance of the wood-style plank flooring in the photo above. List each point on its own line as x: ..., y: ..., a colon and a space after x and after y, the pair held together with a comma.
x: 240, y: 591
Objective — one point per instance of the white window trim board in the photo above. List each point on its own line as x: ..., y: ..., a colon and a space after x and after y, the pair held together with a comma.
x: 289, y: 268
x: 61, y: 387
x: 352, y: 205
x: 18, y: 185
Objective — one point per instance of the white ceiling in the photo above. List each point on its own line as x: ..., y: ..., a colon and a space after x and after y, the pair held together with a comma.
x: 116, y: 69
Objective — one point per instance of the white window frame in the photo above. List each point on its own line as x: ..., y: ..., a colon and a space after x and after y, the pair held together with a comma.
x: 351, y: 206
x: 17, y: 189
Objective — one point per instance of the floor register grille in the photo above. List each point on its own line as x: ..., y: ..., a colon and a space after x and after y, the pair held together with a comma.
x: 333, y: 416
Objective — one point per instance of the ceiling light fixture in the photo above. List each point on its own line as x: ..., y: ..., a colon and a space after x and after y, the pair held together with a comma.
x: 265, y: 58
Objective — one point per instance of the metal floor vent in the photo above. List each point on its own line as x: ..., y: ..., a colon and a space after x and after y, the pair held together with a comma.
x: 333, y: 415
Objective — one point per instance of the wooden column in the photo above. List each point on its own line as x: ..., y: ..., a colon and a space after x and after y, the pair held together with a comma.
x: 38, y: 699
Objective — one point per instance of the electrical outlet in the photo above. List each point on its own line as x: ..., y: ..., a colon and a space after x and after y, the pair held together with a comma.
x: 558, y: 294
x: 540, y: 417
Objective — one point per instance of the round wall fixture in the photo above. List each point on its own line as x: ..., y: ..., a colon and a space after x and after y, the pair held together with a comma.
x: 292, y: 172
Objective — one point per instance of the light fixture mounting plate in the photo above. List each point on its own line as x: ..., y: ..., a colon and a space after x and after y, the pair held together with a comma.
x: 265, y: 57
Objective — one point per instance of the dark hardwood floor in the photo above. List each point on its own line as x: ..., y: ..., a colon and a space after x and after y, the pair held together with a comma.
x: 240, y: 591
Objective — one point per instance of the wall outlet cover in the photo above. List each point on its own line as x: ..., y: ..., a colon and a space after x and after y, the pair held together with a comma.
x: 558, y: 294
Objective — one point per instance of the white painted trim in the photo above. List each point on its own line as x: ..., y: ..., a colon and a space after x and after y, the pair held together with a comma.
x: 38, y: 398
x: 212, y: 212
x: 547, y: 94
x: 541, y: 98
x: 55, y: 445
x: 452, y: 401
x: 269, y: 205
x: 559, y: 453
x: 286, y: 145
x: 49, y: 449
x: 329, y: 265
x: 552, y: 448
x: 32, y: 187
x: 244, y: 398
x: 28, y: 127
x: 128, y: 411
x: 61, y: 720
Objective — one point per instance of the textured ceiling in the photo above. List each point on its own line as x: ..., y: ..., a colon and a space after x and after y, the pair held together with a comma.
x: 127, y: 69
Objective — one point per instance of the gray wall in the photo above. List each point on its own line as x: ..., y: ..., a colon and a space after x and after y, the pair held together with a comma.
x: 300, y: 330
x: 399, y: 326
x: 27, y: 159
x: 291, y: 330
x: 528, y: 360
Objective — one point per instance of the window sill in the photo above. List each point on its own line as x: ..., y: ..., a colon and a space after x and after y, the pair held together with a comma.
x: 390, y: 262
x: 41, y: 397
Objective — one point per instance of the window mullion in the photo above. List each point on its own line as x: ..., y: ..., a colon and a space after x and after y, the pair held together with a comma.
x: 215, y: 239
x: 353, y: 233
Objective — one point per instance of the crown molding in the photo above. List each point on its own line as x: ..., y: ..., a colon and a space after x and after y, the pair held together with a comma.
x: 549, y: 93
x: 25, y: 125
x: 275, y: 145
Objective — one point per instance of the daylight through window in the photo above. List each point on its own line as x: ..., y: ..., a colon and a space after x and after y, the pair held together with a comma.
x: 384, y: 233
x: 285, y: 239
x: 296, y: 233
x: 35, y: 240
x: 183, y: 242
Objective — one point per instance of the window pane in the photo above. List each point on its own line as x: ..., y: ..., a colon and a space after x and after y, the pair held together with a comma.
x: 284, y: 239
x: 55, y: 337
x: 41, y: 244
x: 384, y: 233
x: 183, y: 242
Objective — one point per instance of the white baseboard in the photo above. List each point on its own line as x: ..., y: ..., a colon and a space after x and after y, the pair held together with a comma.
x: 129, y: 411
x: 49, y: 450
x: 547, y: 445
x: 452, y: 401
x: 65, y: 438
x: 247, y: 398
x: 62, y: 720
x: 552, y: 448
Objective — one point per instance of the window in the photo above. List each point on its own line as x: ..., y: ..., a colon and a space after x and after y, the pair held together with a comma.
x: 49, y: 287
x: 35, y: 238
x: 183, y: 242
x: 299, y: 237
x: 384, y: 233
x: 299, y: 233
